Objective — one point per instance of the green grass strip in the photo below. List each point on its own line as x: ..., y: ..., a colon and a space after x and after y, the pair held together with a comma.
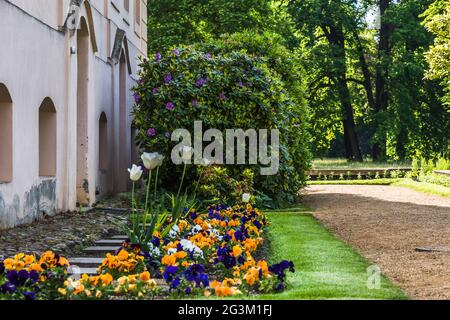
x: 385, y: 181
x: 425, y: 187
x: 326, y: 268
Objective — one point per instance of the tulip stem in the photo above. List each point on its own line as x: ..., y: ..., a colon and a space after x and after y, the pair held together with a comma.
x: 198, y: 182
x: 182, y: 180
x: 146, y: 199
x: 133, y: 203
x: 156, y: 182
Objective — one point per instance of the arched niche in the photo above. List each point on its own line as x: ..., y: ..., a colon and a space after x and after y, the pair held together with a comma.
x: 103, y: 143
x: 47, y: 138
x: 6, y: 135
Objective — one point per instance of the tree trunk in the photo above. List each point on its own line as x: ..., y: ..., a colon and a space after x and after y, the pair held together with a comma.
x: 367, y: 82
x: 381, y: 96
x: 335, y: 37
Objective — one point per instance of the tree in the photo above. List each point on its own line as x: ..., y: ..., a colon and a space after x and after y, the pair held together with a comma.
x: 437, y: 21
x: 327, y: 25
x: 175, y: 22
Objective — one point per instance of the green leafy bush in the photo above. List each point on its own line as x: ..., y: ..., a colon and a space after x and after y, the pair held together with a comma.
x: 216, y: 185
x: 225, y: 89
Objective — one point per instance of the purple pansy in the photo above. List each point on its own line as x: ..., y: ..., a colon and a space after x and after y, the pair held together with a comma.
x: 151, y: 132
x: 158, y: 56
x: 194, y: 103
x: 170, y: 106
x: 169, y: 273
x: 176, y: 52
x: 208, y: 56
x: 222, y: 96
x: 155, y: 90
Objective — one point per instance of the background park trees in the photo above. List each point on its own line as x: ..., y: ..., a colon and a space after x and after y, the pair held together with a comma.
x: 375, y: 72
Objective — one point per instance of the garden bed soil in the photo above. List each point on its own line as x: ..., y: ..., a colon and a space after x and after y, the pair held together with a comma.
x: 65, y: 233
x: 385, y: 224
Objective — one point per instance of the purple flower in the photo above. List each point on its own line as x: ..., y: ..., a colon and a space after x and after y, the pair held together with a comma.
x: 155, y: 90
x: 29, y: 295
x: 222, y: 96
x: 137, y: 97
x: 158, y: 56
x: 8, y: 288
x: 279, y: 269
x: 175, y: 283
x: 201, y: 82
x: 18, y: 278
x: 167, y: 78
x: 240, y: 84
x: 176, y: 52
x: 169, y: 273
x: 151, y: 132
x: 170, y: 106
x: 194, y: 103
x: 208, y: 56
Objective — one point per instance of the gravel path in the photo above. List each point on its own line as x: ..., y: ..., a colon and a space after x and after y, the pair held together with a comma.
x: 385, y: 224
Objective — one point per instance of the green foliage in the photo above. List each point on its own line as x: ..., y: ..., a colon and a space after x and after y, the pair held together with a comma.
x: 218, y: 187
x: 376, y: 181
x: 436, y: 179
x: 415, y: 122
x: 224, y: 88
x: 173, y: 22
x: 437, y: 21
x: 423, y: 171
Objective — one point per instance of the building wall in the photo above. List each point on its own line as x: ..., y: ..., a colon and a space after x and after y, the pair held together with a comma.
x: 38, y: 60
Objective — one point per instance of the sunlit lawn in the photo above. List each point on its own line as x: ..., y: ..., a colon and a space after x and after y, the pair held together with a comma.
x: 429, y: 188
x: 326, y: 267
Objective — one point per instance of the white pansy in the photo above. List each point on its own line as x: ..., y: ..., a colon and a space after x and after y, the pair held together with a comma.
x: 153, y: 250
x: 196, y: 229
x: 188, y: 246
x: 174, y: 231
x: 216, y: 233
x: 171, y: 251
x: 135, y: 172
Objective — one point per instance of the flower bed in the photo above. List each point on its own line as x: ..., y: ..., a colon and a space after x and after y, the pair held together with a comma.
x: 204, y: 254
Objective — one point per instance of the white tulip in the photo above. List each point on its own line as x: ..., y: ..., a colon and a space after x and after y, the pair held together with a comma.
x: 135, y: 173
x: 186, y: 153
x: 150, y: 160
x: 246, y: 197
x: 160, y: 159
x: 206, y: 162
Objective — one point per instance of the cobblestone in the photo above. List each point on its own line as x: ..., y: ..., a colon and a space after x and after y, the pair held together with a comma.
x: 65, y: 233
